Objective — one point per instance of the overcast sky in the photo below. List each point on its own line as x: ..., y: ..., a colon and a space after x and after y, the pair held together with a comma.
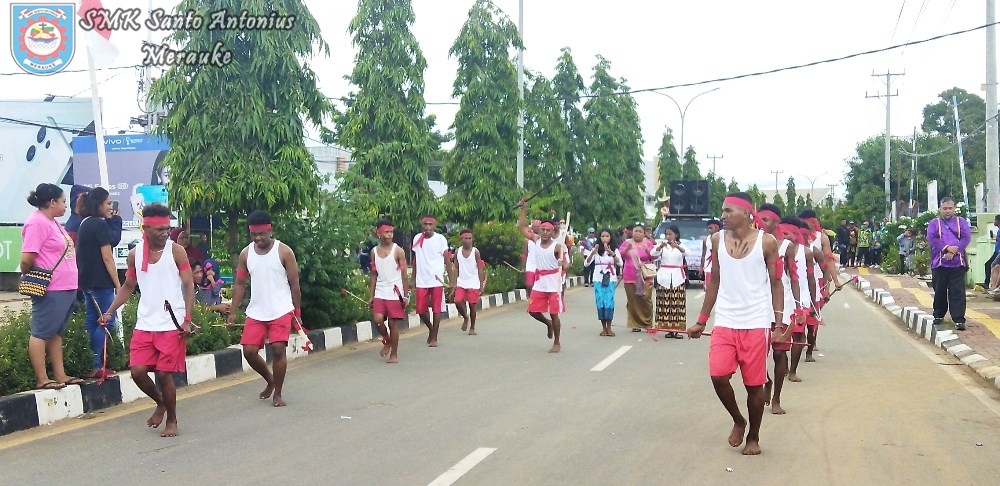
x: 804, y: 122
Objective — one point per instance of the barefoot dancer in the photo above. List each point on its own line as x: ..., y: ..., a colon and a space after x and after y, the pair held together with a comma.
x: 713, y: 226
x: 825, y: 273
x: 275, y: 301
x: 470, y: 281
x: 781, y: 342
x: 388, y: 276
x: 746, y: 287
x: 546, y: 294
x: 528, y: 255
x: 157, y: 345
x: 431, y: 259
x: 807, y: 288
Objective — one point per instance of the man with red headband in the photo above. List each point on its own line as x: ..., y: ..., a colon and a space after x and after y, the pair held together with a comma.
x: 746, y: 294
x: 806, y: 269
x: 528, y: 254
x: 159, y: 343
x: 546, y: 295
x: 275, y: 301
x: 431, y: 258
x: 470, y: 281
x: 825, y: 273
x: 389, y: 289
x: 713, y: 227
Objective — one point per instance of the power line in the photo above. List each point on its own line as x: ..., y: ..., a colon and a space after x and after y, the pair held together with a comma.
x: 19, y: 73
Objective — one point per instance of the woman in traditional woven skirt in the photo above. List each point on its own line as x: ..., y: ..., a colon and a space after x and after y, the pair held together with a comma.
x: 671, y: 283
x: 639, y: 290
x: 604, y: 259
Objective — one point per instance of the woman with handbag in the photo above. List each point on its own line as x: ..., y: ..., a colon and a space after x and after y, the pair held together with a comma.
x: 98, y: 272
x: 671, y: 283
x: 638, y: 271
x: 49, y: 277
x: 603, y: 259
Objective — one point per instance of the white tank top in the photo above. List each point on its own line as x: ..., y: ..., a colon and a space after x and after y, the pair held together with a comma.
x: 388, y: 275
x: 270, y: 294
x: 529, y: 263
x: 817, y: 246
x: 786, y: 284
x: 545, y: 259
x: 161, y: 282
x: 800, y: 264
x: 468, y: 271
x: 744, y: 299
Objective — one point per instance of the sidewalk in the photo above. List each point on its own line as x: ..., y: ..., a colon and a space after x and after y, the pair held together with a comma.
x: 13, y: 301
x: 915, y: 299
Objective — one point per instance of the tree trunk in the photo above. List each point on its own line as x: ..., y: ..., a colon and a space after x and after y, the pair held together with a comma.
x: 232, y: 244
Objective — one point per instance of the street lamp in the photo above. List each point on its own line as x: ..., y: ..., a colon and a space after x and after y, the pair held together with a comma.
x: 812, y: 182
x: 683, y: 112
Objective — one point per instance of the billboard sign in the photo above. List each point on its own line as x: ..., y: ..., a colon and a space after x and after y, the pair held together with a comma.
x: 135, y: 171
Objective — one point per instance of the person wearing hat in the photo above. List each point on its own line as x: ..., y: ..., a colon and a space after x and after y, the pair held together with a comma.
x: 587, y: 245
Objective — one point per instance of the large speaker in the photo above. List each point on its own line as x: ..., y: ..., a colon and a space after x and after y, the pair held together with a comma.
x: 689, y: 197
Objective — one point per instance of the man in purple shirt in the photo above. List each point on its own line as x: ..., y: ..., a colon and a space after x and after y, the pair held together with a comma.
x: 948, y: 236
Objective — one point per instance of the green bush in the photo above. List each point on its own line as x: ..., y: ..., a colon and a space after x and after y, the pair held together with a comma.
x: 503, y: 279
x: 497, y: 243
x: 576, y: 264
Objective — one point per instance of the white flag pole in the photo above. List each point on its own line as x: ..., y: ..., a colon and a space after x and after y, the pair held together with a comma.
x: 95, y: 99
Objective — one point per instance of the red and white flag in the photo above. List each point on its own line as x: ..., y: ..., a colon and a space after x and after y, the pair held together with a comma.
x: 98, y: 40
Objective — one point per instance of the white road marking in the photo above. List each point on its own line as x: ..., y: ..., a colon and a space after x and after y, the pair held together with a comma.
x: 463, y: 466
x: 611, y: 359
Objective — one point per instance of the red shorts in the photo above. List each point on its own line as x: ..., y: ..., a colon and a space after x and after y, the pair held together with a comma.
x: 776, y: 332
x: 391, y: 308
x: 812, y: 322
x: 550, y: 302
x: 529, y: 278
x: 164, y: 350
x: 276, y: 331
x: 467, y: 295
x: 746, y: 348
x: 432, y: 298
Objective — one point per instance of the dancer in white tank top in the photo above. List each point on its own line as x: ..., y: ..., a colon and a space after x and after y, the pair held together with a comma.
x: 747, y: 296
x: 807, y: 289
x: 275, y: 301
x: 546, y: 294
x: 389, y: 289
x: 470, y: 281
x: 713, y: 226
x: 159, y: 342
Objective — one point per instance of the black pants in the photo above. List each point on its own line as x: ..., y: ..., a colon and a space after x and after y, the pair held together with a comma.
x: 989, y: 269
x: 949, y: 292
x: 588, y: 273
x: 864, y: 257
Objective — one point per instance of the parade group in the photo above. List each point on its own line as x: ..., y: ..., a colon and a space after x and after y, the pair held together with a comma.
x: 767, y: 277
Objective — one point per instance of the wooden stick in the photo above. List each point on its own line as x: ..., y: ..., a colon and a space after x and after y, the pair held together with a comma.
x: 512, y: 266
x: 546, y: 186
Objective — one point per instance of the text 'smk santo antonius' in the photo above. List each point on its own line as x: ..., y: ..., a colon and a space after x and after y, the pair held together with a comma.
x: 160, y: 20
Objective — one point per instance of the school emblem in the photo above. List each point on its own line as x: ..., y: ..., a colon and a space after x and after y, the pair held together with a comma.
x: 43, y: 36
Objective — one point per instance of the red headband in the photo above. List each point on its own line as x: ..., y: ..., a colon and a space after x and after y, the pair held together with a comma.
x: 260, y: 227
x: 384, y: 227
x: 813, y: 223
x: 466, y: 232
x: 769, y: 214
x: 793, y: 230
x: 735, y: 201
x: 428, y: 219
x: 547, y: 224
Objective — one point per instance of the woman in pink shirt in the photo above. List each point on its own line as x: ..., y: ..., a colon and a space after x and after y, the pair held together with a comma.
x: 637, y: 249
x: 46, y: 245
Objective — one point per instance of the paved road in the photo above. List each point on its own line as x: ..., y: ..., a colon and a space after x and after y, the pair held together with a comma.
x: 878, y: 407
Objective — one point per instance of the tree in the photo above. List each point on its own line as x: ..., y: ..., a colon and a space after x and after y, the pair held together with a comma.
x: 757, y: 195
x: 717, y: 192
x: 803, y: 203
x: 939, y: 119
x: 569, y: 86
x: 384, y: 123
x: 808, y: 202
x: 615, y: 145
x: 236, y: 131
x: 778, y: 201
x: 480, y: 172
x: 790, y: 196
x: 733, y: 186
x: 546, y: 141
x: 690, y: 168
x: 668, y: 163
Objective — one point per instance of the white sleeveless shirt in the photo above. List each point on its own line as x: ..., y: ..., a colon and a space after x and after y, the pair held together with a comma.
x: 529, y: 263
x: 270, y: 294
x: 160, y: 282
x: 786, y: 284
x: 545, y: 259
x: 388, y: 275
x: 744, y: 299
x: 800, y: 263
x: 468, y: 270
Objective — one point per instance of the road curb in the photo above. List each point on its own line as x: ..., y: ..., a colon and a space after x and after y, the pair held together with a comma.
x: 922, y: 324
x: 30, y: 409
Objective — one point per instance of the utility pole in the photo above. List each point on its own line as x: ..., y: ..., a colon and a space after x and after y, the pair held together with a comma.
x: 520, y: 90
x: 832, y: 194
x: 888, y: 134
x: 913, y: 173
x: 713, y: 157
x: 961, y: 162
x: 776, y: 172
x: 992, y: 149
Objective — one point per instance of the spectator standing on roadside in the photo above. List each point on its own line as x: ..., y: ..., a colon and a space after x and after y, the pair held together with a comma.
x: 948, y: 236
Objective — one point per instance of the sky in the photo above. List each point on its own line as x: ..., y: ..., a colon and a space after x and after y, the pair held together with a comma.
x: 804, y: 123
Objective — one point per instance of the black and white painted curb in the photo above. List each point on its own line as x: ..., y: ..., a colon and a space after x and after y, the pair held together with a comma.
x: 44, y: 407
x: 922, y: 324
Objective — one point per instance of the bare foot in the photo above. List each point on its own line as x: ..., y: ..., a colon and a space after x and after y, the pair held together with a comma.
x: 792, y: 377
x: 604, y: 332
x: 170, y: 430
x: 392, y: 360
x: 385, y: 350
x: 767, y: 392
x: 277, y: 401
x: 157, y: 418
x: 752, y: 448
x: 555, y: 348
x: 465, y: 325
x: 472, y: 332
x: 264, y: 395
x: 736, y: 436
x: 776, y: 408
x: 810, y: 359
x: 432, y: 343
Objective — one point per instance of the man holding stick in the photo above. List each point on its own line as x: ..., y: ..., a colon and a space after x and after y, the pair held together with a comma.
x: 546, y: 295
x: 158, y: 343
x: 389, y: 289
x: 275, y: 301
x: 431, y: 258
x: 747, y: 296
x: 470, y: 281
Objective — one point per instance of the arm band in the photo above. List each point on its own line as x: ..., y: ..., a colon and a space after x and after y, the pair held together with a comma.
x: 130, y: 273
x: 184, y: 266
x: 702, y: 319
x: 810, y: 269
x: 297, y: 313
x: 242, y: 273
x: 187, y: 318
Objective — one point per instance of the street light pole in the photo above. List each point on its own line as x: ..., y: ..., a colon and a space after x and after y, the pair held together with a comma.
x: 812, y: 182
x: 520, y: 90
x: 683, y: 113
